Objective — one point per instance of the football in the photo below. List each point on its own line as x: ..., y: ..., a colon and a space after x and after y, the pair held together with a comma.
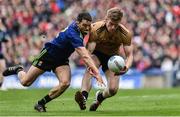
x: 116, y: 63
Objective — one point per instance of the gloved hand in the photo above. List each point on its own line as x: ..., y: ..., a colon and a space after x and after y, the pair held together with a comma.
x: 121, y: 72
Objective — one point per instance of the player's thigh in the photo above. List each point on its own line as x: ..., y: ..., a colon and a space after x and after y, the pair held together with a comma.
x: 2, y: 68
x: 33, y: 73
x: 112, y: 80
x: 63, y: 73
x: 2, y: 65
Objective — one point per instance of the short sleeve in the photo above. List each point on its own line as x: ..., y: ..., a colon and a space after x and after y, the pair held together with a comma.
x: 92, y: 36
x: 127, y: 40
x: 127, y: 35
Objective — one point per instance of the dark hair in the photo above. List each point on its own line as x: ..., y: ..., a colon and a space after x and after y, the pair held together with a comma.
x: 85, y: 16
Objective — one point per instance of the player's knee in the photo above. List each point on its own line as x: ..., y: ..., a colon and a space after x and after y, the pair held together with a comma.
x: 112, y: 92
x: 65, y: 84
x: 26, y: 84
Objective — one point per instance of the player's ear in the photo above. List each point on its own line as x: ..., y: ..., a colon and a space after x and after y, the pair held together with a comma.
x: 77, y: 22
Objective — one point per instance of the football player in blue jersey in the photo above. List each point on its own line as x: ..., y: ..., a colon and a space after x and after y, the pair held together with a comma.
x: 54, y: 56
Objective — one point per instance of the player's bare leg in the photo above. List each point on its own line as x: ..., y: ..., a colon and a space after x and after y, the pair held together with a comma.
x: 111, y: 90
x: 2, y: 67
x: 28, y: 78
x: 64, y: 76
x: 81, y: 96
x: 113, y: 84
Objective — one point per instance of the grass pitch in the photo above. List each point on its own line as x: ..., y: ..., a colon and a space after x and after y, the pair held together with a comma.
x: 136, y: 102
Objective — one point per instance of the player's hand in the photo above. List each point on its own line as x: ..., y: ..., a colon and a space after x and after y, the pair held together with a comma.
x: 97, y: 76
x: 123, y: 71
x: 100, y: 81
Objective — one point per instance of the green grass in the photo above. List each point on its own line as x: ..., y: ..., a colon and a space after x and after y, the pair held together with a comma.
x: 141, y: 102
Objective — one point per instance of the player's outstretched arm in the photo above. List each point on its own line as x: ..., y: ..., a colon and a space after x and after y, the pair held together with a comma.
x: 93, y: 70
x: 128, y: 49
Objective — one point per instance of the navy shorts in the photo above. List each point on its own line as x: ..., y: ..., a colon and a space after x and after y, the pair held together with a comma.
x: 103, y: 58
x: 46, y: 62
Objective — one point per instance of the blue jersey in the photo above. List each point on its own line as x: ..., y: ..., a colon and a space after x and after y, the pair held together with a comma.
x: 64, y: 44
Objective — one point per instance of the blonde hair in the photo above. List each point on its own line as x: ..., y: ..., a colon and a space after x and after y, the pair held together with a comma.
x: 114, y: 14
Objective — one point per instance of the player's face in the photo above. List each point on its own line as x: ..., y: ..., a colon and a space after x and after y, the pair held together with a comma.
x: 84, y: 26
x: 111, y: 25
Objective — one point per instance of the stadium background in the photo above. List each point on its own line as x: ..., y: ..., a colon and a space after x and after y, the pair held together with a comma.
x: 154, y: 23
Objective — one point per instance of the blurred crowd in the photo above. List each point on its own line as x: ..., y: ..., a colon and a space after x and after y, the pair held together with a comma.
x: 155, y: 25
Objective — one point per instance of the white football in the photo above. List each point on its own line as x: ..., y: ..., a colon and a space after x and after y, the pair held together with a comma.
x: 116, y: 63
